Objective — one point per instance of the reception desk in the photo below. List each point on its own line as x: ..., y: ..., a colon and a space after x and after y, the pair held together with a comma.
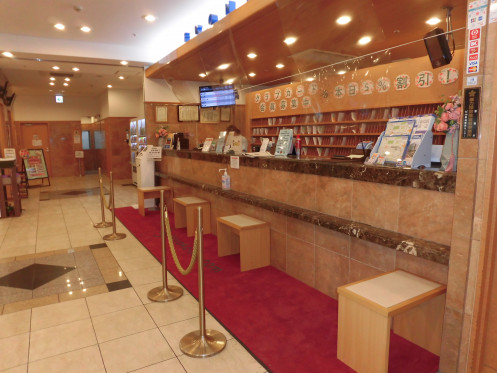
x: 332, y: 223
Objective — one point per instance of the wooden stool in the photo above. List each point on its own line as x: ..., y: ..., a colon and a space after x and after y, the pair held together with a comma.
x: 247, y: 236
x: 366, y: 309
x: 150, y: 192
x: 185, y: 214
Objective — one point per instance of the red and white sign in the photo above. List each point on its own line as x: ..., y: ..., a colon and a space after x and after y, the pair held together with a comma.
x: 473, y: 56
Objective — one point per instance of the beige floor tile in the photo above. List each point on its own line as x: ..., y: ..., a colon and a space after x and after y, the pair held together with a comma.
x: 7, y: 252
x: 113, y: 301
x: 136, y: 264
x: 135, y: 351
x: 85, y: 360
x: 169, y: 366
x: 144, y: 276
x: 122, y: 323
x: 19, y: 369
x: 174, y: 332
x: 125, y: 252
x: 58, y: 242
x: 60, y: 339
x: 233, y: 359
x: 183, y: 308
x: 107, y: 262
x: 83, y: 293
x: 30, y: 303
x: 14, y: 351
x: 15, y: 323
x: 113, y: 274
x: 59, y: 313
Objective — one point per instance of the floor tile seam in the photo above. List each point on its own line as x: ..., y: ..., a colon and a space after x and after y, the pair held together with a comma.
x: 160, y: 362
x: 25, y: 332
x: 107, y: 313
x: 131, y: 334
x: 62, y: 353
x: 116, y: 311
x: 57, y: 325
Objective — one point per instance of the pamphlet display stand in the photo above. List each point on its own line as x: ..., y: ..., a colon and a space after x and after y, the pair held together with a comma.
x: 406, y: 142
x: 145, y: 172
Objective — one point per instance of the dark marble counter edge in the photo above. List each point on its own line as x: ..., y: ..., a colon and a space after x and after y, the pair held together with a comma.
x: 413, y: 246
x: 419, y: 179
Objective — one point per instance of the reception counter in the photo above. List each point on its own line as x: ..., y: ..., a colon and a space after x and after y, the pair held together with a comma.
x: 331, y: 222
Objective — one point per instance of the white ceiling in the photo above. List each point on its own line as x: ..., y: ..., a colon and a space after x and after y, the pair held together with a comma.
x: 119, y: 32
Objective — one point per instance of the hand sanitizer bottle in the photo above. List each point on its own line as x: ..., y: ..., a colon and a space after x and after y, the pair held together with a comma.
x: 225, y: 179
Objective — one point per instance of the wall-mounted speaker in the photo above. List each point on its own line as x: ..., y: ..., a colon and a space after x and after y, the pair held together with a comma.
x: 438, y: 48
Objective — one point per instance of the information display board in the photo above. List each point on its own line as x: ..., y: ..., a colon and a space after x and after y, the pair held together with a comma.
x: 34, y: 162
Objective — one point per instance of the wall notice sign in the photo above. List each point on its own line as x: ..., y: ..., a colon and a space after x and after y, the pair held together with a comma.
x: 471, y: 113
x: 79, y: 154
x: 9, y: 153
x: 477, y: 14
x: 35, y: 165
x: 77, y: 137
x: 154, y: 152
x: 235, y: 161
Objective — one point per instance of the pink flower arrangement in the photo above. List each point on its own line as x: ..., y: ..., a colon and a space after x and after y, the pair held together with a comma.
x: 448, y: 115
x: 161, y: 132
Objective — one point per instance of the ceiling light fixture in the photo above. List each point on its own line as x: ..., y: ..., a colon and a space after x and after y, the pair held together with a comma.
x: 67, y: 79
x: 149, y: 18
x: 56, y: 67
x: 59, y: 26
x: 75, y: 69
x: 252, y: 74
x: 433, y: 21
x: 52, y: 83
x: 230, y: 81
x: 52, y: 78
x: 280, y: 66
x: 224, y: 66
x: 202, y: 75
x: 341, y: 72
x: 252, y: 55
x: 66, y: 84
x: 85, y: 29
x: 109, y: 85
x: 121, y: 77
x: 364, y: 40
x: 343, y: 20
x: 310, y: 79
x: 124, y: 63
x: 8, y: 54
x: 290, y: 40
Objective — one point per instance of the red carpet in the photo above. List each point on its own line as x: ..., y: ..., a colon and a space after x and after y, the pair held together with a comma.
x: 287, y: 325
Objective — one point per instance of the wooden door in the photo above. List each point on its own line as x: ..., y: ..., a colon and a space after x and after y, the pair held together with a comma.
x: 35, y: 136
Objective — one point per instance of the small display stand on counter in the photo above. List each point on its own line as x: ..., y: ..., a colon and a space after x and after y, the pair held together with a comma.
x: 284, y: 145
x: 405, y: 142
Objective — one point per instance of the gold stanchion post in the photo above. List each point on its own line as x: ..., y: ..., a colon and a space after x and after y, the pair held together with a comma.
x: 113, y: 236
x: 103, y: 223
x: 164, y: 293
x: 203, y: 342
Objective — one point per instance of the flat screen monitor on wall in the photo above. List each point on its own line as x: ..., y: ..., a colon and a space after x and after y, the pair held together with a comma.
x: 220, y: 95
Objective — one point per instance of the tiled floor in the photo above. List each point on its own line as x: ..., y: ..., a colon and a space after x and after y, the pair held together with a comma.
x: 104, y: 321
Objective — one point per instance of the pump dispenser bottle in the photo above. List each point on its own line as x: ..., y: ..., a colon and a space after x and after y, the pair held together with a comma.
x: 225, y: 179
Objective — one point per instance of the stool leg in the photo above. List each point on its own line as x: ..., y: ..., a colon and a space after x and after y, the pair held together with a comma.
x: 363, y: 337
x: 141, y: 203
x: 179, y: 216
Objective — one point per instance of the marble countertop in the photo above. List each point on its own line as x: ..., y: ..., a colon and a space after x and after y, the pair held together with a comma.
x: 419, y: 179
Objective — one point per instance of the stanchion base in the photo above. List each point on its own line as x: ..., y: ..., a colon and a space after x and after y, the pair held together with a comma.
x: 114, y: 236
x: 194, y: 345
x: 103, y: 224
x: 161, y: 294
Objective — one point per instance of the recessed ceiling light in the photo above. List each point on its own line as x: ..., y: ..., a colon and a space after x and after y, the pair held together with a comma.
x: 433, y: 21
x: 52, y: 78
x: 8, y: 54
x: 109, y: 85
x: 75, y: 69
x: 290, y: 40
x: 252, y: 55
x: 343, y: 20
x: 149, y: 18
x: 341, y: 72
x: 124, y: 63
x: 252, y: 74
x: 66, y: 84
x: 85, y: 29
x: 224, y: 66
x: 364, y: 40
x: 52, y: 83
x: 202, y: 75
x: 59, y: 26
x: 229, y: 81
x: 280, y: 66
x: 310, y: 79
x: 56, y: 67
x: 121, y: 77
x: 67, y: 79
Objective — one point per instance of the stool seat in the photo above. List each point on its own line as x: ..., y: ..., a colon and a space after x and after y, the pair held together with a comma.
x: 367, y: 308
x: 149, y: 192
x: 245, y: 235
x: 185, y: 214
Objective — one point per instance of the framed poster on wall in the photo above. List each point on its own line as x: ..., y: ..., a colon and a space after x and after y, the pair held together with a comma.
x: 209, y: 115
x: 161, y: 114
x: 35, y: 165
x: 188, y: 113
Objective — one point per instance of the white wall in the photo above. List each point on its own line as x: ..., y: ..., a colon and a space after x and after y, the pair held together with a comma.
x: 44, y: 108
x: 125, y: 103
